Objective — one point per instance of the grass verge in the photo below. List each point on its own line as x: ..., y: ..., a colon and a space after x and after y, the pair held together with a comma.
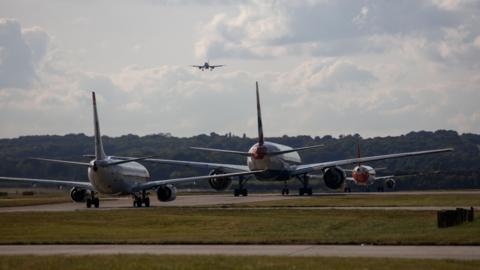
x: 233, y: 226
x: 384, y: 200
x: 140, y: 262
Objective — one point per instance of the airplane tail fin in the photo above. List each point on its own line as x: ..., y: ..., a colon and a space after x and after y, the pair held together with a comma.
x: 259, y: 119
x: 99, y: 152
x: 358, y: 152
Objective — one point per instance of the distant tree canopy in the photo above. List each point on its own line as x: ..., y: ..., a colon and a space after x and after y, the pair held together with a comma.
x: 459, y: 169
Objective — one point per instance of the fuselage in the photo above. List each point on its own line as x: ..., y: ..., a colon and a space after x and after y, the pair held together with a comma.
x: 277, y: 167
x: 117, y: 179
x: 363, y: 175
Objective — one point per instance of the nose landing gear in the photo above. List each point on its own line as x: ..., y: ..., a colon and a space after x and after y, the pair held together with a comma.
x: 92, y: 200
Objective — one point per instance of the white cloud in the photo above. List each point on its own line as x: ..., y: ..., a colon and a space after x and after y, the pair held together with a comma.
x: 20, y: 52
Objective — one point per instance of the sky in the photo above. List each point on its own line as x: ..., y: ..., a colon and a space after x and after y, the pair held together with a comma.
x: 376, y: 68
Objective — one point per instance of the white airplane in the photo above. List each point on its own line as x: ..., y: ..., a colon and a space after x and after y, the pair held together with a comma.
x: 111, y: 176
x: 268, y: 161
x: 207, y: 66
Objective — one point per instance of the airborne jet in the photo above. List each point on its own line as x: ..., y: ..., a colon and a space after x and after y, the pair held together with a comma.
x: 111, y: 176
x: 268, y: 161
x: 207, y: 66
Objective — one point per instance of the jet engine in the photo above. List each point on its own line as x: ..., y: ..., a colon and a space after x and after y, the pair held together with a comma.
x: 390, y: 183
x: 221, y: 183
x: 334, y: 177
x: 166, y: 193
x: 79, y: 195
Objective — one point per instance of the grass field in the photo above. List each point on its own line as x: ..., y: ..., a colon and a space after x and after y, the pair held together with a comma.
x: 15, y: 198
x: 140, y: 262
x: 447, y: 200
x: 230, y: 226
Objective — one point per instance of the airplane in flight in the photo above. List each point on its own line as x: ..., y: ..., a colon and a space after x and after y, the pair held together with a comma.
x: 268, y: 161
x: 111, y: 176
x: 207, y: 66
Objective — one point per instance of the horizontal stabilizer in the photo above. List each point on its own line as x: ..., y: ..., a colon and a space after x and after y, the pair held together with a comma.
x: 126, y: 161
x: 222, y: 151
x: 250, y: 154
x: 63, y: 161
x: 293, y: 150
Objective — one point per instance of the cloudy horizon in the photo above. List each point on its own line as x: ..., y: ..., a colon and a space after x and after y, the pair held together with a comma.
x: 324, y: 67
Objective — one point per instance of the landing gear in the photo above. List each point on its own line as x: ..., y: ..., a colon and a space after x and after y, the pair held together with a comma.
x: 142, y: 199
x: 92, y: 201
x: 306, y: 189
x: 241, y: 190
x: 285, y: 190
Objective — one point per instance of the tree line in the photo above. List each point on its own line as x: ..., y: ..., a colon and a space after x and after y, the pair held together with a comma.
x: 459, y: 169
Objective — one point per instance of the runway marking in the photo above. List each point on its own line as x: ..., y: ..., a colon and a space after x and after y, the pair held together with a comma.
x: 413, y: 252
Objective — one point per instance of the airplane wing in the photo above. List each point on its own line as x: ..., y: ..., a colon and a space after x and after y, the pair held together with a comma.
x: 49, y: 182
x: 196, y: 66
x: 215, y: 66
x: 156, y: 183
x: 301, y: 169
x: 229, y: 168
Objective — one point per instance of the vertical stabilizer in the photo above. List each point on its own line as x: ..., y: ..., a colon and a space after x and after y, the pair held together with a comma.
x: 358, y: 151
x: 259, y: 119
x: 99, y: 153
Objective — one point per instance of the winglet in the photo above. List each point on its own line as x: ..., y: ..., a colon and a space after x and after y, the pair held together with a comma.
x: 99, y: 153
x: 259, y: 119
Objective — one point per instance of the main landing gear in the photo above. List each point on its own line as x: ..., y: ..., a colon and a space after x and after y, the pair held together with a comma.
x: 142, y: 199
x: 92, y: 201
x: 241, y: 190
x: 306, y: 189
x: 285, y: 190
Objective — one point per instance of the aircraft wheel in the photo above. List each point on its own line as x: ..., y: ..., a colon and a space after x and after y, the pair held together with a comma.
x: 96, y: 202
x: 137, y: 202
x: 89, y: 202
x: 244, y: 192
x: 146, y: 201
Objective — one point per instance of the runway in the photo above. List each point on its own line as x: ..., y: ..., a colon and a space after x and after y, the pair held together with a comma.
x: 217, y: 200
x: 412, y: 252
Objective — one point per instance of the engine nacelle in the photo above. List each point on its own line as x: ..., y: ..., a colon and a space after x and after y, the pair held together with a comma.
x: 78, y: 195
x: 390, y: 183
x: 166, y: 193
x: 220, y: 183
x: 334, y: 177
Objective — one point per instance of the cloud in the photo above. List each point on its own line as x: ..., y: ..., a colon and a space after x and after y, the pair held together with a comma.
x: 20, y: 52
x: 264, y: 29
x: 16, y: 63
